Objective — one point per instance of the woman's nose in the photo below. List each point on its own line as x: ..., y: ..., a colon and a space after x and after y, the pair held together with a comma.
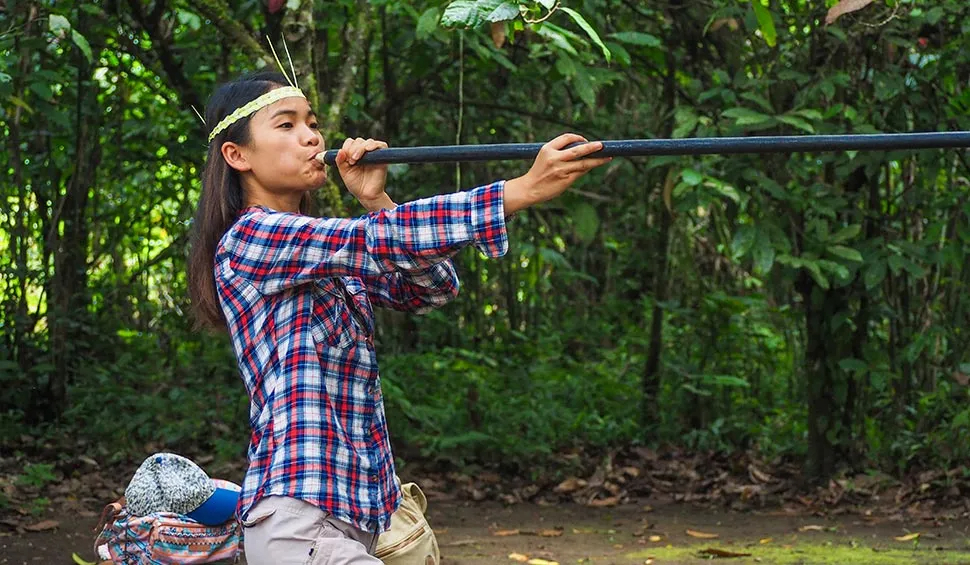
x: 312, y: 137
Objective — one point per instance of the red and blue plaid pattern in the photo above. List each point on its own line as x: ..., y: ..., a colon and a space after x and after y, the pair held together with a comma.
x: 297, y: 293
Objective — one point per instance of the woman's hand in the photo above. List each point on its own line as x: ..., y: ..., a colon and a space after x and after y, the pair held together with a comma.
x: 365, y: 182
x: 554, y: 170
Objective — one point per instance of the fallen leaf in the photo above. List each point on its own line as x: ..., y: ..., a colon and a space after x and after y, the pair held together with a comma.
x: 758, y: 475
x: 631, y: 471
x: 518, y: 557
x: 844, y: 7
x: 764, y: 541
x: 553, y: 533
x: 498, y: 34
x: 812, y: 528
x: 649, y: 561
x: 601, y: 502
x: 538, y: 561
x: 571, y: 484
x: 77, y: 559
x: 714, y: 552
x: 702, y: 535
x: 655, y: 539
x: 907, y: 537
x: 42, y: 526
x: 503, y: 533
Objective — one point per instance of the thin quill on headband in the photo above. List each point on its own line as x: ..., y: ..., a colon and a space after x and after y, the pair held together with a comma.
x: 197, y: 114
x: 282, y: 70
x: 292, y: 69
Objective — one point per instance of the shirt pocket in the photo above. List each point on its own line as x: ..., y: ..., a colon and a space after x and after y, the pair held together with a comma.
x: 360, y: 303
x: 332, y: 325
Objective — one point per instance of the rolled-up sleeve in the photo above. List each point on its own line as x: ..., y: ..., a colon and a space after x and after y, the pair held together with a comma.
x: 401, y: 248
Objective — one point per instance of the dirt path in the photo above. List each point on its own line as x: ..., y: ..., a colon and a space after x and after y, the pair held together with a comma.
x: 622, y: 535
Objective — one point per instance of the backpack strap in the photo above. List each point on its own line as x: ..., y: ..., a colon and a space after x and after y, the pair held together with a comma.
x: 110, y: 512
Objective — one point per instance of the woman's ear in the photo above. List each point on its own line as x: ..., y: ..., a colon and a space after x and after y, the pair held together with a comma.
x: 235, y: 157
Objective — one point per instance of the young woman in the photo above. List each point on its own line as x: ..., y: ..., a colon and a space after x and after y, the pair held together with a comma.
x: 296, y: 294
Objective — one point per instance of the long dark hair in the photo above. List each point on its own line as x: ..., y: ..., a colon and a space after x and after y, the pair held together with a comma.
x: 222, y: 194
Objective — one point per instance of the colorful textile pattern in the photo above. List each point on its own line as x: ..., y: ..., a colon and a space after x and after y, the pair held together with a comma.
x: 161, y: 538
x: 297, y: 293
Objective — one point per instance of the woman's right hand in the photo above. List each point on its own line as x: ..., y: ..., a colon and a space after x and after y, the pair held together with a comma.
x: 554, y: 170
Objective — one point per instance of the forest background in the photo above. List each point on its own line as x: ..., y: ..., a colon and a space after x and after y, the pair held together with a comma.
x: 805, y: 311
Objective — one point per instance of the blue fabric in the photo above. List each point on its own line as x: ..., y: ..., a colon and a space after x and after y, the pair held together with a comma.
x: 217, y: 509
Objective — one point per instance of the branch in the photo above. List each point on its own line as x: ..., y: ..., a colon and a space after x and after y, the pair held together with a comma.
x: 218, y: 12
x: 163, y: 50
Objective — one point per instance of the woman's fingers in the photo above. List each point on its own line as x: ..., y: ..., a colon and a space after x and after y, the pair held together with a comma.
x: 357, y: 147
x: 583, y: 150
x: 583, y: 166
x: 564, y: 140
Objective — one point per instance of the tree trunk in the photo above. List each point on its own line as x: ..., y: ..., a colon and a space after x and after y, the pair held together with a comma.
x: 650, y: 384
x: 69, y: 300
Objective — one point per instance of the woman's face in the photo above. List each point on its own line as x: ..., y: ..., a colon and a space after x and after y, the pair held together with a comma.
x: 279, y: 156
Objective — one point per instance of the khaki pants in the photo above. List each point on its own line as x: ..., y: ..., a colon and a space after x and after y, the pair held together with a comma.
x: 287, y: 531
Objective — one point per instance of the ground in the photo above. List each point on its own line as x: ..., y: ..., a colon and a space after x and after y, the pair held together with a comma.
x: 650, y: 531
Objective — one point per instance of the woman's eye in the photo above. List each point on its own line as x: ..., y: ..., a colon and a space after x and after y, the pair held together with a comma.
x: 314, y: 125
x: 286, y: 125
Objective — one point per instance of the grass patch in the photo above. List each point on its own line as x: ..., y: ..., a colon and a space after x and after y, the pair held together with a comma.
x: 807, y: 554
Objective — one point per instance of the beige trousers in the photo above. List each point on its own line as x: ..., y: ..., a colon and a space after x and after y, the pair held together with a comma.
x: 287, y: 531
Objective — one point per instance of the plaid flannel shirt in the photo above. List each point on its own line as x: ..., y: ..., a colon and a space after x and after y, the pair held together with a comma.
x: 297, y: 293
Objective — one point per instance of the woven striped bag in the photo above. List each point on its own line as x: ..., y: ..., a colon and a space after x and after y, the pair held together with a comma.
x: 164, y: 538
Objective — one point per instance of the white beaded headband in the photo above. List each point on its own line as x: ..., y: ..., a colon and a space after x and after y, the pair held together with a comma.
x: 260, y: 102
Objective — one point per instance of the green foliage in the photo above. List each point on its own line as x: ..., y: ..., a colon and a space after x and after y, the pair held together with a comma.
x: 37, y: 475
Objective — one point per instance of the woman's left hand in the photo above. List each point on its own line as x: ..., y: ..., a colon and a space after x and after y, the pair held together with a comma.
x: 365, y: 182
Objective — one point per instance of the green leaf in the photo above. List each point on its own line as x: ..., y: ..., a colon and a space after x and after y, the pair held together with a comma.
x: 565, y: 65
x: 845, y: 252
x: 581, y: 22
x: 743, y: 240
x: 691, y: 177
x: 620, y: 52
x: 796, y: 122
x: 82, y: 44
x: 763, y: 253
x: 846, y: 233
x: 558, y: 39
x: 853, y: 365
x: 813, y: 269
x: 808, y: 114
x: 58, y: 25
x: 744, y: 116
x: 834, y: 268
x: 586, y: 221
x: 637, y: 38
x: 895, y: 264
x: 759, y: 100
x: 42, y: 89
x: 427, y: 23
x: 472, y: 13
x: 727, y: 381
x: 765, y: 22
x: 686, y: 121
x: 584, y: 87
